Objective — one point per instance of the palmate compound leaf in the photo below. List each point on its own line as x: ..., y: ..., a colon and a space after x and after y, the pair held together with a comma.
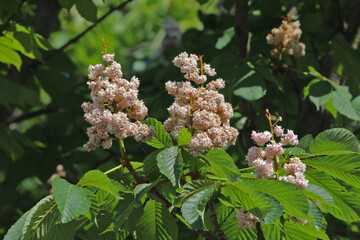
x: 195, y: 196
x: 98, y: 179
x: 334, y: 141
x: 243, y: 195
x: 42, y: 222
x: 156, y: 223
x: 171, y: 164
x: 291, y: 197
x: 71, y: 200
x: 345, y: 167
x: 347, y: 205
x: 161, y: 139
x: 222, y: 165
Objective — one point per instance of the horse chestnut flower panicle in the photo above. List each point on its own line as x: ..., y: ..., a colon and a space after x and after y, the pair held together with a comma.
x: 246, y: 219
x: 286, y: 38
x: 265, y: 156
x: 199, y: 108
x: 114, y: 102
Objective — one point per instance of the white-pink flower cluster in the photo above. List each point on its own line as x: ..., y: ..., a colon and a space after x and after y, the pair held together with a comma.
x: 114, y: 102
x: 201, y: 109
x: 265, y: 157
x: 286, y: 38
x: 246, y: 219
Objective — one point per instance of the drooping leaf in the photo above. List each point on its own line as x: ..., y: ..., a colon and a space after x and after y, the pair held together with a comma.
x: 345, y: 167
x: 291, y: 197
x: 161, y: 139
x: 171, y: 164
x: 71, y: 200
x: 347, y: 205
x: 318, y: 193
x: 141, y: 189
x: 341, y: 99
x: 222, y: 165
x: 87, y: 9
x: 184, y: 137
x: 316, y: 215
x: 96, y: 178
x: 195, y: 196
x: 156, y: 223
x: 334, y: 141
x: 225, y: 38
x: 124, y: 208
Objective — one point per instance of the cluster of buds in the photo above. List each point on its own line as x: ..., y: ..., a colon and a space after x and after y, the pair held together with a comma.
x: 201, y: 109
x: 114, y: 102
x: 246, y: 219
x: 266, y: 156
x: 286, y: 38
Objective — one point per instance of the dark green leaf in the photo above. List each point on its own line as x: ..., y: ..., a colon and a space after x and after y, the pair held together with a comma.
x: 320, y: 93
x: 170, y: 164
x: 87, y: 9
x: 250, y: 87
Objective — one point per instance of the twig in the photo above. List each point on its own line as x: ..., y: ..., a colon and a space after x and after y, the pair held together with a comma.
x: 32, y: 114
x: 9, y: 18
x: 77, y: 38
x: 220, y: 234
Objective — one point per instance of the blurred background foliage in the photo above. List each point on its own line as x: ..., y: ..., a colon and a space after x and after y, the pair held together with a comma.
x: 46, y: 47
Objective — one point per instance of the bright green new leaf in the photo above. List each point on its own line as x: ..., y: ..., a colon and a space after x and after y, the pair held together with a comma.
x: 222, y: 165
x: 184, y: 137
x: 291, y: 197
x: 96, y: 178
x: 171, y: 164
x: 71, y: 200
x: 334, y: 141
x: 161, y: 139
x: 9, y: 56
x: 156, y: 223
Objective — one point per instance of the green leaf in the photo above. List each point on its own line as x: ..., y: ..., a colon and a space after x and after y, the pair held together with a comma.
x: 319, y: 194
x: 9, y: 143
x: 347, y: 205
x: 96, y: 178
x: 300, y: 232
x: 222, y: 165
x: 341, y: 100
x: 225, y: 38
x: 316, y: 215
x: 305, y: 142
x: 275, y: 212
x: 243, y: 195
x: 15, y: 231
x: 71, y: 200
x: 291, y: 197
x: 156, y: 223
x: 195, y: 196
x: 87, y: 9
x: 150, y: 165
x: 141, y: 189
x: 314, y: 72
x: 7, y: 55
x: 15, y: 94
x: 345, y: 167
x: 171, y: 164
x: 161, y: 139
x: 67, y: 4
x: 334, y: 141
x: 42, y: 223
x: 320, y: 93
x: 250, y: 87
x: 125, y: 207
x: 272, y: 231
x: 184, y: 137
x: 10, y: 42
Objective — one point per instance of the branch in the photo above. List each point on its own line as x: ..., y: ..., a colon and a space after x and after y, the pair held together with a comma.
x: 9, y: 18
x: 32, y: 114
x: 241, y: 27
x: 77, y: 38
x: 220, y: 234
